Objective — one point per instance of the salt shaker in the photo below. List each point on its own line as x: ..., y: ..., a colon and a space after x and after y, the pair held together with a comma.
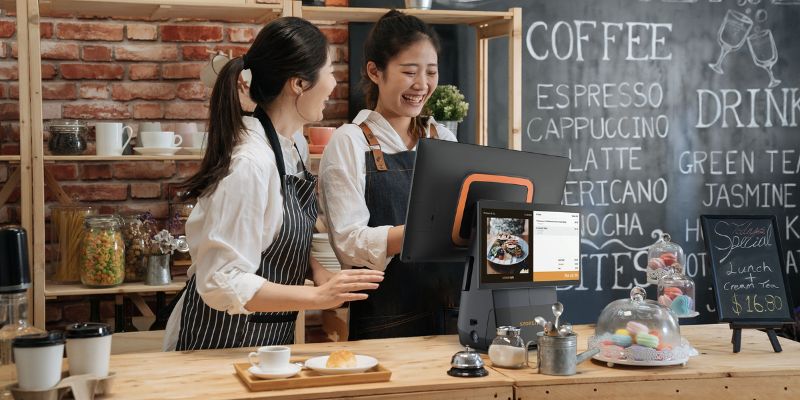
x: 508, y: 350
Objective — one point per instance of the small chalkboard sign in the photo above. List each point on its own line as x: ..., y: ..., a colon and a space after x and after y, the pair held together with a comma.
x: 749, y: 275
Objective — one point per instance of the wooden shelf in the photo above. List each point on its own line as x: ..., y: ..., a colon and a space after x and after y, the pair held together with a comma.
x: 229, y: 10
x: 125, y: 158
x: 358, y: 14
x: 10, y: 158
x: 58, y: 290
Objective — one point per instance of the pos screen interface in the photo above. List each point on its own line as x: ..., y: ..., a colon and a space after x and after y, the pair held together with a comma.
x: 527, y: 245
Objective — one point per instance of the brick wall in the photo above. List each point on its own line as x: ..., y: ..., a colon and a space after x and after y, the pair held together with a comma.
x: 109, y: 69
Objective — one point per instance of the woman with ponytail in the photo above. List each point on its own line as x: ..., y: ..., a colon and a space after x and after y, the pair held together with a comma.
x: 366, y: 176
x: 250, y: 233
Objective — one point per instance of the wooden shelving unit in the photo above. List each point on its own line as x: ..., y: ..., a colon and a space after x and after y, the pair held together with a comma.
x: 89, y: 158
x: 488, y: 25
x: 76, y: 289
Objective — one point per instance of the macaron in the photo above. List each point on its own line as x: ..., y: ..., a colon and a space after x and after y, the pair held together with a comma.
x: 636, y: 327
x: 622, y: 331
x: 622, y: 340
x: 673, y: 292
x: 664, y: 300
x: 668, y: 258
x: 655, y: 263
x: 681, y: 305
x: 612, y: 351
x: 647, y: 340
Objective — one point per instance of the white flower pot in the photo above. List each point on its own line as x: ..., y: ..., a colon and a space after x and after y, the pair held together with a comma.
x: 450, y: 125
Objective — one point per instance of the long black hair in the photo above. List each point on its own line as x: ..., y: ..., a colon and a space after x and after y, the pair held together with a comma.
x: 288, y: 47
x: 393, y: 33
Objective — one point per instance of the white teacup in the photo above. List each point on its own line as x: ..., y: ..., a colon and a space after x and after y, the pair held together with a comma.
x: 271, y: 358
x: 162, y: 139
x: 194, y: 140
x: 109, y: 136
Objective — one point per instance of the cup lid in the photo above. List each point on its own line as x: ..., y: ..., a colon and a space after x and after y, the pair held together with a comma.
x: 42, y: 339
x: 84, y: 330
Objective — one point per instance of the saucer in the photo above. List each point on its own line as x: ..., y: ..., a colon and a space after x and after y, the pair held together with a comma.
x: 363, y: 363
x: 289, y: 371
x: 156, y: 151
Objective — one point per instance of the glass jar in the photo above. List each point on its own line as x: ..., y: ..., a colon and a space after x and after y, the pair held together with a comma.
x: 664, y: 257
x: 508, y: 350
x: 676, y: 292
x: 66, y: 224
x: 637, y: 331
x: 67, y: 137
x: 103, y: 252
x: 137, y: 240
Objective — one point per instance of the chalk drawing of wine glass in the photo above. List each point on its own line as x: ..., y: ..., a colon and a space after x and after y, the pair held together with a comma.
x: 765, y: 55
x: 731, y: 37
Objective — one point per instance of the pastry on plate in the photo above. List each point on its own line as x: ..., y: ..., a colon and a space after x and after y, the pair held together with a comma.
x: 341, y: 359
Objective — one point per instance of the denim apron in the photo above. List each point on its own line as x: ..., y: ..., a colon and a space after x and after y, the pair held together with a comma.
x: 414, y: 299
x: 285, y: 261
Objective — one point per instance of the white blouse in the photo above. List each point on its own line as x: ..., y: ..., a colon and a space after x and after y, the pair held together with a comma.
x: 229, y: 229
x: 342, y: 174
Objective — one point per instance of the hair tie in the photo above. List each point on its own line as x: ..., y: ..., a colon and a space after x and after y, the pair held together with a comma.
x: 245, y: 63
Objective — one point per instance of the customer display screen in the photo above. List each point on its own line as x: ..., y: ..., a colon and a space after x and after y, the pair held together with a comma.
x: 529, y: 246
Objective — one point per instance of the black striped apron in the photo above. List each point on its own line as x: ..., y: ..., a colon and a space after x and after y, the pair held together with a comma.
x: 285, y: 261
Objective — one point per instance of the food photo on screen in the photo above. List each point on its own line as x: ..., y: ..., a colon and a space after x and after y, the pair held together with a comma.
x: 507, y: 247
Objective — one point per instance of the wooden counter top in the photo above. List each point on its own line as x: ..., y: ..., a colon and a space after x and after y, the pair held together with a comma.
x: 755, y: 373
x: 419, y: 368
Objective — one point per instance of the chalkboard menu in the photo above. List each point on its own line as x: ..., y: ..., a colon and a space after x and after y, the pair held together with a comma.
x: 668, y: 109
x: 747, y: 268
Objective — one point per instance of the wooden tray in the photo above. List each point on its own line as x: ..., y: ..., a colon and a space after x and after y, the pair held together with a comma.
x: 307, y: 378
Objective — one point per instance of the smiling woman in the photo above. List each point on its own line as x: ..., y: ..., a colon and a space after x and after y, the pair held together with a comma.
x: 366, y: 175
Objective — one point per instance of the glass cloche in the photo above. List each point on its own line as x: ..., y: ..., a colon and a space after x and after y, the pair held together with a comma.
x: 676, y: 292
x: 664, y: 257
x: 637, y: 331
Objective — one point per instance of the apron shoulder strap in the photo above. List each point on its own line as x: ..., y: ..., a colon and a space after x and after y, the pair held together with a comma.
x: 374, y: 146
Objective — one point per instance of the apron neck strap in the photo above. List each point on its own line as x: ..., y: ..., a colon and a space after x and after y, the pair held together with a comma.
x: 374, y: 146
x: 272, y: 137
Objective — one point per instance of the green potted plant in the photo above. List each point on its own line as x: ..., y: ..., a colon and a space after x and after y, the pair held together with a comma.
x: 447, y: 106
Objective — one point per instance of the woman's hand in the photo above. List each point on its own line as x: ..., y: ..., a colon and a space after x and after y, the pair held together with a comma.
x: 319, y: 274
x: 340, y: 287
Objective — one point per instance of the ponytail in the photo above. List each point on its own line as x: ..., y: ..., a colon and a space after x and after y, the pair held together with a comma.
x: 225, y: 129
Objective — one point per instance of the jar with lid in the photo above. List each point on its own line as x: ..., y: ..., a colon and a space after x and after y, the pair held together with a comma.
x: 66, y: 224
x: 664, y: 257
x: 67, y: 137
x: 137, y: 241
x: 103, y: 252
x: 676, y: 292
x: 508, y: 350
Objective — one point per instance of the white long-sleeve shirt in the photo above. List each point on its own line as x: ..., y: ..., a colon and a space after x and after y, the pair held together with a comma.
x: 342, y: 174
x: 229, y: 229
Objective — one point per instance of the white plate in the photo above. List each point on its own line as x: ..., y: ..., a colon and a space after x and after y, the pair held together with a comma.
x: 612, y: 361
x: 156, y: 151
x: 291, y: 370
x: 513, y: 260
x: 363, y: 363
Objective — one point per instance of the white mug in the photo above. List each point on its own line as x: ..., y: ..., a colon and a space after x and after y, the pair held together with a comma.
x: 150, y: 127
x: 209, y: 72
x: 271, y: 358
x: 109, y: 137
x: 194, y: 140
x: 160, y: 139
